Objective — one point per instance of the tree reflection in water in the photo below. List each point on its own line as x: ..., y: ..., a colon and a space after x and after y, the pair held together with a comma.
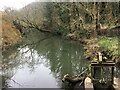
x: 59, y: 56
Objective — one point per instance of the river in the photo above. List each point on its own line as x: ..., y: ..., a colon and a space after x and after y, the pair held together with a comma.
x: 41, y: 61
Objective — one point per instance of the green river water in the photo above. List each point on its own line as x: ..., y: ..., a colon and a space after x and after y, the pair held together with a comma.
x: 42, y: 61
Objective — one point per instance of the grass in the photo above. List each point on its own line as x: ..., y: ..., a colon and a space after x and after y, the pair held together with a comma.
x: 110, y: 43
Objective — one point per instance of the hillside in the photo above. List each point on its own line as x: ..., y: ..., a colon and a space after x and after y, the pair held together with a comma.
x: 10, y: 35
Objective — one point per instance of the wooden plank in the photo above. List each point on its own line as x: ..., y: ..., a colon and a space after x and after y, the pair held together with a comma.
x: 103, y: 64
x: 106, y: 61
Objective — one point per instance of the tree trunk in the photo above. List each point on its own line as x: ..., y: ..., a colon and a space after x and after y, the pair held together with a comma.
x: 97, y: 17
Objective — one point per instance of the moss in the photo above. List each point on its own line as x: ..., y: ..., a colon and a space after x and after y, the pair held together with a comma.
x: 111, y: 44
x: 108, y: 46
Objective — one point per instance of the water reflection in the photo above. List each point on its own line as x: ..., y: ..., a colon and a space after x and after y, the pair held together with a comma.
x: 43, y: 63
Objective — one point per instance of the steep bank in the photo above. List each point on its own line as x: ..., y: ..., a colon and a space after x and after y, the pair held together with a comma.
x: 10, y: 35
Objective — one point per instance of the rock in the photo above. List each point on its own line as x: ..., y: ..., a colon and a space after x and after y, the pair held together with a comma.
x: 73, y: 80
x: 116, y: 83
x: 88, y: 83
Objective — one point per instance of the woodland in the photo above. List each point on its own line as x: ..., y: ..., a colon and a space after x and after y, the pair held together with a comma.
x: 95, y: 24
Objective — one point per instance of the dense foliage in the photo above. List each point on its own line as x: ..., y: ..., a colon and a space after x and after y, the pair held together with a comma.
x: 72, y: 19
x: 8, y: 38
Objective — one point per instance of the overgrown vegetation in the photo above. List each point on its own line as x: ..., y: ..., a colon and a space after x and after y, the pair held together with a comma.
x: 70, y: 19
x: 10, y: 35
x: 73, y: 20
x: 112, y: 44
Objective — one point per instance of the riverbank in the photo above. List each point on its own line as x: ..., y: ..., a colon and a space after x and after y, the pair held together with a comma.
x: 91, y: 45
x: 10, y: 35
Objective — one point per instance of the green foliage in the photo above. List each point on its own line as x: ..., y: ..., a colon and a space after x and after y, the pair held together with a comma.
x: 69, y: 17
x: 88, y: 18
x: 110, y: 44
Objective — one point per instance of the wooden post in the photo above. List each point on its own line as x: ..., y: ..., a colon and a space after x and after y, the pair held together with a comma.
x: 92, y: 73
x: 112, y: 78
